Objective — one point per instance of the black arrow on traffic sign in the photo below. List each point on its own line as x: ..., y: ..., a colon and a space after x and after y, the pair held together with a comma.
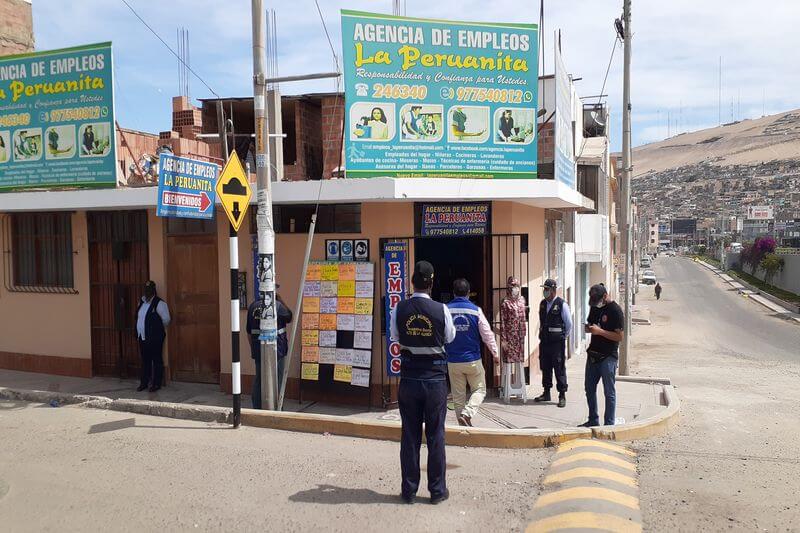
x: 235, y: 211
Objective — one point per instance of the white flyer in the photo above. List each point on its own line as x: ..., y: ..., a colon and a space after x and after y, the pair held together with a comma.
x: 360, y: 377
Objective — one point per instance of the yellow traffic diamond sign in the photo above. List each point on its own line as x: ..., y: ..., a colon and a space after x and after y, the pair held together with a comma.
x: 233, y: 191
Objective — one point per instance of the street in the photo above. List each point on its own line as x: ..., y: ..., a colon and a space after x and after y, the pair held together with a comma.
x: 731, y: 462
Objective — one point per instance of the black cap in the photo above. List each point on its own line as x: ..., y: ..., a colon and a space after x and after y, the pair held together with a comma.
x: 596, y: 293
x: 423, y: 275
x: 550, y: 284
x: 150, y: 284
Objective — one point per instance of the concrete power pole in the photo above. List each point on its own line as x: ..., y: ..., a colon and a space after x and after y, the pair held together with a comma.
x: 626, y: 186
x: 266, y: 233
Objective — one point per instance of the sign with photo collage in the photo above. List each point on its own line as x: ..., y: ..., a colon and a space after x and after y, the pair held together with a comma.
x: 337, y: 320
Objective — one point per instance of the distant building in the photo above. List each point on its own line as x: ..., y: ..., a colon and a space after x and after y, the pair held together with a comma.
x: 16, y: 28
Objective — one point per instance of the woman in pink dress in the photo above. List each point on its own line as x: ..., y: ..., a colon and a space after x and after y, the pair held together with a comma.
x: 513, y: 323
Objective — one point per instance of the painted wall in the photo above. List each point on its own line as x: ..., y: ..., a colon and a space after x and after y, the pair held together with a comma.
x: 65, y: 317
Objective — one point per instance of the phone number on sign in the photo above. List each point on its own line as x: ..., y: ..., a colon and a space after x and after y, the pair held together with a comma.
x: 399, y: 91
x: 482, y: 94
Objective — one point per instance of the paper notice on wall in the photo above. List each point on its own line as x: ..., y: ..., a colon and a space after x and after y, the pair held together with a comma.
x: 310, y: 337
x: 343, y: 373
x: 364, y: 289
x: 360, y: 377
x: 344, y: 356
x: 311, y: 304
x: 347, y: 271
x: 327, y: 338
x: 314, y: 272
x: 330, y: 272
x: 362, y: 340
x: 346, y: 306
x: 309, y: 371
x: 363, y: 322
x: 327, y: 355
x: 327, y: 321
x: 329, y: 289
x: 363, y: 306
x: 310, y: 354
x: 362, y: 358
x: 345, y: 322
x: 347, y: 288
x: 310, y: 321
x: 365, y: 272
x: 328, y: 305
x: 311, y: 288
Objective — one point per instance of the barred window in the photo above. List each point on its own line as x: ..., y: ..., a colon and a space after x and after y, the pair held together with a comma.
x: 41, y: 250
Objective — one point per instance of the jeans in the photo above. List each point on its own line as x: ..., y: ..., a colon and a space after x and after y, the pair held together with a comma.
x: 461, y: 374
x: 255, y: 394
x: 605, y: 370
x: 422, y: 401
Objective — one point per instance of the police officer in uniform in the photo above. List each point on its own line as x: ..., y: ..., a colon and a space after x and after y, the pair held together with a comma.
x: 555, y: 324
x: 422, y: 327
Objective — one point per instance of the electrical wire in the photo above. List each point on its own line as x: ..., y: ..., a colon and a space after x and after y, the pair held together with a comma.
x: 170, y: 49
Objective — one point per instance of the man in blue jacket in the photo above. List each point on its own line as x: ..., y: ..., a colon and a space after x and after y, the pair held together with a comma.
x: 464, y: 364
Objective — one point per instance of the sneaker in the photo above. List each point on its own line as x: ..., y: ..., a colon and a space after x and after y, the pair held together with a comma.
x: 562, y: 400
x: 140, y: 388
x: 436, y: 500
x: 545, y: 397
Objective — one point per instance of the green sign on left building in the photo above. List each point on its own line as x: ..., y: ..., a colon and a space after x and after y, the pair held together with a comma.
x: 57, y: 119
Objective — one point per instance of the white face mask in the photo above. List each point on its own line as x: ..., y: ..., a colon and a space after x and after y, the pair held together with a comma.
x: 515, y: 292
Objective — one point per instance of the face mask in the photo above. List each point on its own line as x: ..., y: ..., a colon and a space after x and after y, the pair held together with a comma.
x: 546, y: 293
x: 515, y: 292
x: 600, y: 304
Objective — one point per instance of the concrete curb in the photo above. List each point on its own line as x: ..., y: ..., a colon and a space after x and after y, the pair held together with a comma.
x: 650, y: 427
x: 200, y: 413
x: 374, y: 429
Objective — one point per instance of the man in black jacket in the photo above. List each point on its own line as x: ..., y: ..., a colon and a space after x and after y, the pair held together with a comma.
x: 152, y: 319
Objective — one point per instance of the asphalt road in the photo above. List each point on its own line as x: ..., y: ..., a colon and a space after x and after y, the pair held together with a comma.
x: 733, y: 460
x: 75, y: 469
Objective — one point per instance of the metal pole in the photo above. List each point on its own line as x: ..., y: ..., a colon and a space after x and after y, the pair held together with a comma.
x: 297, y: 305
x: 236, y: 366
x: 626, y: 184
x: 266, y: 233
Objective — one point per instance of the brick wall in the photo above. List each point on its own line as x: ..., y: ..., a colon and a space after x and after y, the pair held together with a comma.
x: 332, y: 125
x: 308, y: 132
x: 546, y: 146
x: 16, y: 27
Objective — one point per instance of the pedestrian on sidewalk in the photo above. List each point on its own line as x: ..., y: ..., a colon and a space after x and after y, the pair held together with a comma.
x: 555, y: 325
x: 152, y: 319
x: 464, y: 364
x: 422, y: 327
x: 254, y: 313
x: 658, y: 291
x: 606, y: 324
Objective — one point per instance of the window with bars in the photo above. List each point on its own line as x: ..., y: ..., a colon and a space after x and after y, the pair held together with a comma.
x: 41, y: 251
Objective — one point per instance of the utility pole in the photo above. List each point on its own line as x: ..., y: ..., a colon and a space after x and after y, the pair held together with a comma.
x: 266, y: 233
x: 626, y: 185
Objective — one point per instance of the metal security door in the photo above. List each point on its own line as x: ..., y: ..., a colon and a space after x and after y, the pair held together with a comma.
x: 118, y: 269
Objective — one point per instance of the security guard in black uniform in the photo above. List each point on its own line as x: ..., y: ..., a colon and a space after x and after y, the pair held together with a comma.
x: 422, y: 327
x: 555, y: 324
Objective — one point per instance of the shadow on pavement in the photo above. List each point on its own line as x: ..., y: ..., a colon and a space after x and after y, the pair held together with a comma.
x: 115, y: 425
x: 333, y: 495
x: 10, y: 405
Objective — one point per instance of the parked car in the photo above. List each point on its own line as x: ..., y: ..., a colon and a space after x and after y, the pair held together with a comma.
x: 645, y: 262
x: 649, y: 277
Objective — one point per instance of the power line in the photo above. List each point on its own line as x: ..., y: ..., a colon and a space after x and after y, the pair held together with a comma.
x: 608, y: 69
x: 328, y: 35
x: 170, y: 48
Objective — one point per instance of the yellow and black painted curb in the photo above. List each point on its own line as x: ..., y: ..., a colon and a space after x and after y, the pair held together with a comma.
x: 591, y: 484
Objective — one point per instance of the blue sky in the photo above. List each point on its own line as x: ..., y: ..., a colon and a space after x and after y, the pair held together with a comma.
x: 677, y: 46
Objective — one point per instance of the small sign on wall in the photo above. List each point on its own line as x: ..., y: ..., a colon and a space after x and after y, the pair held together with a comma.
x: 332, y: 249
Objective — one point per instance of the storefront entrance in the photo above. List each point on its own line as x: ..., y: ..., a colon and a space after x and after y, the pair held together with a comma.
x: 453, y: 258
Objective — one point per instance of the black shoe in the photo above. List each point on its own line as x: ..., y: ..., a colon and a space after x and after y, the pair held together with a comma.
x: 140, y: 388
x: 153, y: 388
x: 408, y: 499
x: 465, y: 420
x: 587, y: 424
x: 545, y: 397
x: 436, y: 500
x: 562, y: 400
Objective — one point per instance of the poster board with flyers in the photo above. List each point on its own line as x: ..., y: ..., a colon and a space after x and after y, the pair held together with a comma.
x: 337, y: 318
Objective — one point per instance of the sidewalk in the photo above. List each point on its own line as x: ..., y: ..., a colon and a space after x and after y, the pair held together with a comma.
x: 635, y: 400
